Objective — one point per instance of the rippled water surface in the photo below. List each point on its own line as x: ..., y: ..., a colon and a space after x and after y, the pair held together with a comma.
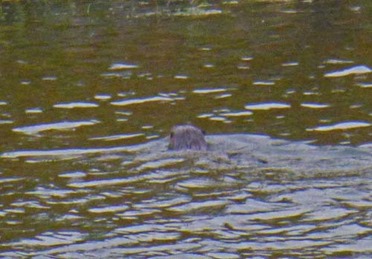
x: 90, y: 89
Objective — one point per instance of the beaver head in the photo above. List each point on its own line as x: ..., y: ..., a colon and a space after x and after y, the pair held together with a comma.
x: 187, y: 137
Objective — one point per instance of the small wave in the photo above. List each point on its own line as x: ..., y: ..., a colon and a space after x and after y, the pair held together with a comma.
x: 341, y: 126
x: 349, y: 71
x: 75, y: 105
x: 141, y: 100
x: 267, y: 106
x: 35, y: 129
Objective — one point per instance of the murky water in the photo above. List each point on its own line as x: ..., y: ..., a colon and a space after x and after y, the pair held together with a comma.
x: 88, y: 91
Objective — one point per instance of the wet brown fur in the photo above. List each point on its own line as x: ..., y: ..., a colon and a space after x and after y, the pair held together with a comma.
x: 187, y: 137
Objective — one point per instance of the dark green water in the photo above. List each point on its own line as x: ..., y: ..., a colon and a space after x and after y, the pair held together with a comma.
x: 93, y: 75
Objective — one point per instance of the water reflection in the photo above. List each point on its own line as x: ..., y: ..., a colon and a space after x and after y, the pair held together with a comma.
x: 273, y: 63
x: 35, y: 129
x: 350, y: 71
x: 343, y: 126
x: 83, y: 83
x: 179, y: 203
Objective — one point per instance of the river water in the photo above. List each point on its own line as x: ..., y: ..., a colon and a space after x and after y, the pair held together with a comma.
x: 89, y: 91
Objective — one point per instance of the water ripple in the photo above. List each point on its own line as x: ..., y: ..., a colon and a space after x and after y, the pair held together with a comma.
x: 75, y: 105
x: 35, y: 129
x: 209, y: 90
x: 342, y: 126
x: 315, y: 105
x: 49, y: 239
x: 349, y: 71
x: 122, y: 66
x: 267, y: 106
x: 141, y: 100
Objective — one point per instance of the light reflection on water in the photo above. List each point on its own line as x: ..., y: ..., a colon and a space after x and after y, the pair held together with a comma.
x: 145, y: 201
x: 84, y: 83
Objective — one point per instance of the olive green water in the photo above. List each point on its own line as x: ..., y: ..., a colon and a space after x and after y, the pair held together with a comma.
x: 87, y: 89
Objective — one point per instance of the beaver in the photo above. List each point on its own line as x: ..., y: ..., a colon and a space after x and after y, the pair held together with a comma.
x: 187, y: 137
